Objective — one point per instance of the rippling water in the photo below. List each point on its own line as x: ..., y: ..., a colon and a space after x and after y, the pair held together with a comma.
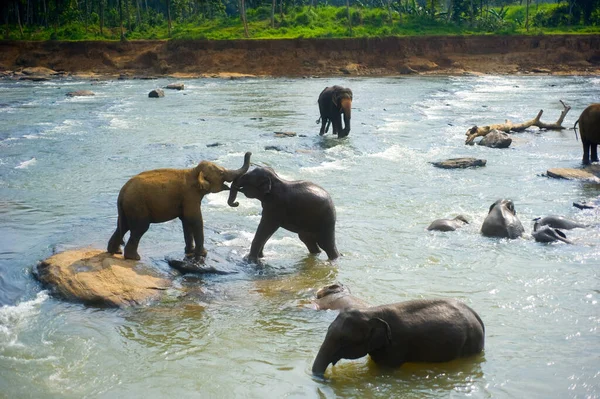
x: 252, y: 334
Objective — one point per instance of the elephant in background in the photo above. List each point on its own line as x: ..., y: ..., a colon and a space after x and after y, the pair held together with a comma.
x: 448, y: 224
x: 333, y: 102
x: 161, y: 195
x: 337, y: 297
x: 589, y: 125
x: 301, y: 207
x: 502, y: 221
x: 434, y: 330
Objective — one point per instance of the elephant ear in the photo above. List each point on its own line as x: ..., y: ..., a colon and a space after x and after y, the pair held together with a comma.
x: 202, y: 182
x: 380, y: 334
x: 265, y: 185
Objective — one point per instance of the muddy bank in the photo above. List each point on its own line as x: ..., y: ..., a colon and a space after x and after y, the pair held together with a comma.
x: 565, y: 54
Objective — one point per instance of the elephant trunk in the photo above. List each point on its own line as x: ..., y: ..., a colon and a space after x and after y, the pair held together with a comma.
x: 232, y: 196
x: 322, y: 361
x: 232, y: 174
x: 347, y: 111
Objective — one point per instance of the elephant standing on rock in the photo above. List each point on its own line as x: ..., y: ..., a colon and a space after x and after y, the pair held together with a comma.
x: 161, y: 195
x: 502, y: 221
x: 298, y: 206
x: 435, y: 330
x: 589, y: 125
x: 333, y: 102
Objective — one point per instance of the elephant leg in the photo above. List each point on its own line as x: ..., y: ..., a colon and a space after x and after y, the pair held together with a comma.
x: 196, y: 226
x: 324, y: 125
x: 116, y: 240
x: 137, y: 231
x: 337, y: 123
x: 310, y: 241
x: 327, y: 242
x: 594, y: 152
x: 586, y: 151
x: 188, y: 236
x: 264, y: 231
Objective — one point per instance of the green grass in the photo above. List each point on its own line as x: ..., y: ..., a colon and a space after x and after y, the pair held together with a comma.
x: 326, y: 22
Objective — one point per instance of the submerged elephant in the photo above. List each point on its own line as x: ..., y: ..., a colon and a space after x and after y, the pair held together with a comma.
x: 589, y: 125
x: 557, y: 222
x: 159, y: 195
x: 502, y: 221
x: 549, y: 234
x: 448, y: 224
x: 333, y: 102
x: 337, y: 297
x: 434, y: 330
x: 301, y: 207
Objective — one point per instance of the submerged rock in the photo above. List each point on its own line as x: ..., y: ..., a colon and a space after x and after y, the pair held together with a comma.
x: 175, y: 86
x: 460, y: 163
x: 80, y: 93
x: 156, y: 93
x: 95, y: 277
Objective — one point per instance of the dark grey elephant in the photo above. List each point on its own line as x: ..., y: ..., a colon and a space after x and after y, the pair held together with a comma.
x: 434, y: 330
x: 333, y: 102
x: 301, y: 207
x: 549, y: 234
x: 557, y: 222
x: 337, y: 297
x: 502, y: 221
x: 448, y: 224
x: 589, y: 125
x: 160, y: 195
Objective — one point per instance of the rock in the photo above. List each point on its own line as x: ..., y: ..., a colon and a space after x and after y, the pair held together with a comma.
x: 175, y: 86
x: 34, y: 78
x: 285, y: 134
x: 156, y: 93
x: 459, y: 163
x: 80, y: 93
x: 590, y: 173
x: 39, y: 71
x: 496, y: 139
x: 189, y: 265
x: 95, y: 277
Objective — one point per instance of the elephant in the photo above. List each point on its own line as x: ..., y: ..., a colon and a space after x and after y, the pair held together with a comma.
x: 333, y: 102
x: 448, y: 224
x: 160, y: 195
x: 337, y: 297
x: 424, y: 330
x: 589, y: 125
x: 549, y: 234
x: 502, y: 221
x: 557, y: 222
x: 301, y: 207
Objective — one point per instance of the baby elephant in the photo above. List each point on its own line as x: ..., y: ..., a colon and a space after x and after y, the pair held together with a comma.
x: 337, y: 297
x: 298, y: 206
x: 159, y: 195
x: 502, y: 221
x: 434, y: 330
x: 448, y: 224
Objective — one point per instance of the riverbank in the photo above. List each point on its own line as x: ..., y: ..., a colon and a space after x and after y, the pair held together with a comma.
x: 441, y: 55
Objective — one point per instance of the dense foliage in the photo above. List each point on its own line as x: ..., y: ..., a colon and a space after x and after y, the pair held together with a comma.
x: 232, y: 19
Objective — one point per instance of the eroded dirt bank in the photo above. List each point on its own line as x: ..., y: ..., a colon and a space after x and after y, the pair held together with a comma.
x: 566, y: 54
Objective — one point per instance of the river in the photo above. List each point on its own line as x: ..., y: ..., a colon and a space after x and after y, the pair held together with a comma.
x: 253, y: 334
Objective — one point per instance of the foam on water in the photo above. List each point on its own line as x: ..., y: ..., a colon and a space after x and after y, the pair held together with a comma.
x: 26, y: 164
x: 14, y: 319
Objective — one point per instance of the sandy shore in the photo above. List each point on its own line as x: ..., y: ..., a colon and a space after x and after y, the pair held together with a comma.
x: 448, y: 55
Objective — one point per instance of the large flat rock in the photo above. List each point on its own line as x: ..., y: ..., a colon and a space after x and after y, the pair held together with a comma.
x: 589, y: 173
x: 460, y: 163
x: 96, y: 277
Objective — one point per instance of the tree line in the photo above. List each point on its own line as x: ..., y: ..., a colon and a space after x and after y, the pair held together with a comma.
x: 126, y: 16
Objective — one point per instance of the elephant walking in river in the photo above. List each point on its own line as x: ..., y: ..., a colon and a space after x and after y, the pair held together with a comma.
x: 333, y: 102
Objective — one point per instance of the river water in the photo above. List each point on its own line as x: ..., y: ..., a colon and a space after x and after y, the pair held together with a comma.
x: 254, y: 334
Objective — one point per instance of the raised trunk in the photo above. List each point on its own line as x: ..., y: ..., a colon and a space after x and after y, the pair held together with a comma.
x: 232, y: 174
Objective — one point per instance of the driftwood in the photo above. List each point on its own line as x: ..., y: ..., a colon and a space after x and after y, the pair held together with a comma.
x: 508, y: 126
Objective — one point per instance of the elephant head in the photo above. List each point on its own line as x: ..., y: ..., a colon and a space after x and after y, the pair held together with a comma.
x: 342, y: 99
x: 255, y: 184
x: 211, y: 177
x: 502, y: 221
x: 352, y: 335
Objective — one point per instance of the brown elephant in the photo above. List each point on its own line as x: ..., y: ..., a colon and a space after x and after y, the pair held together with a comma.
x: 589, y: 125
x: 337, y: 297
x: 160, y: 195
x: 333, y: 102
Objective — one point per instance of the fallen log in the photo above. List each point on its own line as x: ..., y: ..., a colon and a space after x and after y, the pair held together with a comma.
x: 508, y: 126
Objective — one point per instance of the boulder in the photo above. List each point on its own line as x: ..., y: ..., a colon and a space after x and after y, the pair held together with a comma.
x: 496, y: 139
x: 156, y: 93
x: 460, y: 163
x: 80, y: 93
x: 39, y: 71
x: 95, y: 277
x: 590, y: 173
x: 175, y: 86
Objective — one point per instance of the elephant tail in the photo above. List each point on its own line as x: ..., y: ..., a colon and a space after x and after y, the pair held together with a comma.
x: 575, y: 128
x: 319, y: 120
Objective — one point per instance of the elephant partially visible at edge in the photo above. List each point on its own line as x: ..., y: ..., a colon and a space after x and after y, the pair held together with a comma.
x: 589, y: 126
x: 435, y: 330
x: 161, y: 195
x: 333, y: 102
x: 301, y: 207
